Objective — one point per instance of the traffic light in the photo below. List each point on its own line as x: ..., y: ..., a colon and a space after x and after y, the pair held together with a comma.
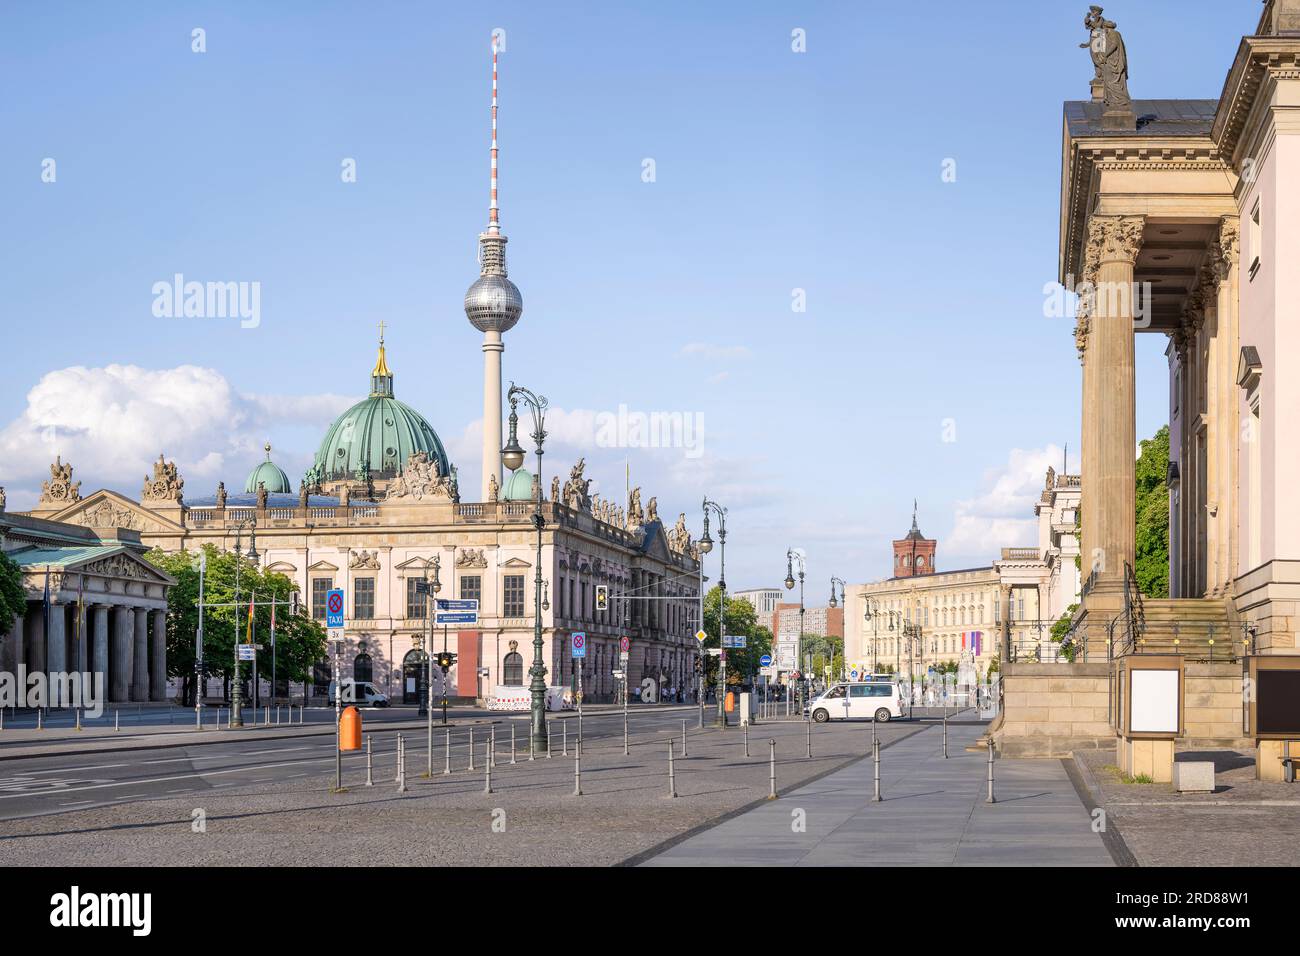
x: 446, y: 659
x: 602, y: 597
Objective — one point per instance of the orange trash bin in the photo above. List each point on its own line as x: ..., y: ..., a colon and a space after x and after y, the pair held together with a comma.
x: 731, y: 701
x: 350, y: 729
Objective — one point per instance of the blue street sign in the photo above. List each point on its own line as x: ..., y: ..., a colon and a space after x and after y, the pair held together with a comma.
x: 578, y: 643
x: 765, y: 660
x: 734, y: 640
x: 334, y: 608
x: 450, y: 611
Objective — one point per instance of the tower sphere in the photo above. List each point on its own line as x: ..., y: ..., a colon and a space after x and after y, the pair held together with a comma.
x: 493, y: 304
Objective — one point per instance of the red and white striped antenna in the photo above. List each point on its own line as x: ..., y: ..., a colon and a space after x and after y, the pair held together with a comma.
x: 494, y: 226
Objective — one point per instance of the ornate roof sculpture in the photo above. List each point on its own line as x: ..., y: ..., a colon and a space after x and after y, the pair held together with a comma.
x: 166, y: 483
x: 60, y: 489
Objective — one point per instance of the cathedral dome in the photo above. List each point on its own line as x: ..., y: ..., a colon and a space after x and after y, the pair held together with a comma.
x: 270, y: 474
x: 378, y: 433
x: 518, y: 487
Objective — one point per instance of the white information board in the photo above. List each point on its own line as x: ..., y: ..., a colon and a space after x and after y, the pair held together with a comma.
x: 1153, y: 707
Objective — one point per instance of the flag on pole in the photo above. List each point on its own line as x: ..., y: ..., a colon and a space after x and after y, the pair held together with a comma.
x: 249, y: 638
x: 273, y: 622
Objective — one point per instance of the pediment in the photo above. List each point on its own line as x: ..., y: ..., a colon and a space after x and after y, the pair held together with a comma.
x: 123, y: 564
x: 323, y: 566
x: 107, y: 509
x: 416, y: 562
x: 516, y: 563
x: 655, y: 544
x: 282, y: 567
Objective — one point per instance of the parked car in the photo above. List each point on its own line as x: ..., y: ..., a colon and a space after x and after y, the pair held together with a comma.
x: 362, y: 693
x: 880, y: 700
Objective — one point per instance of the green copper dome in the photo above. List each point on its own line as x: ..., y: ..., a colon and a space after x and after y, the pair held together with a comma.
x: 377, y: 434
x: 270, y: 474
x: 519, y: 486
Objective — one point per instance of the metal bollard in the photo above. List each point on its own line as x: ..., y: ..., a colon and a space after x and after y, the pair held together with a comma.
x: 492, y: 743
x: 39, y: 725
x: 875, y: 772
x: 746, y: 729
x: 266, y: 712
x: 564, y: 737
x: 397, y: 772
x: 300, y: 707
x: 512, y: 741
x: 991, y: 798
x: 771, y: 768
x: 625, y: 751
x: 78, y: 718
x: 672, y: 777
x: 945, y: 736
x: 370, y: 776
x: 809, y: 736
x: 447, y: 769
x: 471, y: 748
x: 116, y: 720
x: 487, y: 769
x: 683, y: 738
x: 549, y: 748
x: 577, y: 770
x: 402, y: 768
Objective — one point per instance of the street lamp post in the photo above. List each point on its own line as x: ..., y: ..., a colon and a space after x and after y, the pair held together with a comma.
x: 236, y: 692
x: 513, y: 457
x: 844, y: 662
x: 792, y: 555
x: 706, y: 545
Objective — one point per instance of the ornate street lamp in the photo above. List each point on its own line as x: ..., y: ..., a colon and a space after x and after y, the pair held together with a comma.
x: 236, y: 691
x: 791, y: 556
x: 513, y: 456
x: 706, y: 545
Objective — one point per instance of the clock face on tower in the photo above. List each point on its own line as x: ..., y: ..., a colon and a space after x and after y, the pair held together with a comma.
x: 920, y: 562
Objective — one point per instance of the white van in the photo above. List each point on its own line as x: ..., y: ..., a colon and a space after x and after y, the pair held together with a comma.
x: 880, y: 700
x: 362, y: 693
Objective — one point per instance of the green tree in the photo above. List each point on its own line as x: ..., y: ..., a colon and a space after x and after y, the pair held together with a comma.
x: 742, y: 663
x: 13, y: 596
x: 1152, y: 526
x: 299, y: 641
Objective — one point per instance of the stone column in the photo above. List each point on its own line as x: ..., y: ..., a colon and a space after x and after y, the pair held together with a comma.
x: 1115, y: 241
x: 140, y: 658
x: 123, y: 642
x: 35, y: 628
x: 1087, y: 432
x: 56, y: 654
x: 1224, y: 263
x: 158, y: 656
x: 99, y: 641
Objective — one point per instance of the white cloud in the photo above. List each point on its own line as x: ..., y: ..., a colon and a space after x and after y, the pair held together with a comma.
x: 710, y: 351
x: 110, y: 423
x: 1003, y: 516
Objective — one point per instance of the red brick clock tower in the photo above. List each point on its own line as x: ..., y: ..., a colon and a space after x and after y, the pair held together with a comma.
x: 914, y: 555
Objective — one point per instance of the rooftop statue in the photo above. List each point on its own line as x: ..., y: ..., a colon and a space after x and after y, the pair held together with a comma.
x: 1110, y: 61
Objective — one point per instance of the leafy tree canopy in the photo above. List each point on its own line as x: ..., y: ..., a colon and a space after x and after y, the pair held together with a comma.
x: 13, y: 596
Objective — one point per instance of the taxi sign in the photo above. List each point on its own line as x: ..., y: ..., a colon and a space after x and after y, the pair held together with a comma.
x: 578, y: 643
x: 334, y: 608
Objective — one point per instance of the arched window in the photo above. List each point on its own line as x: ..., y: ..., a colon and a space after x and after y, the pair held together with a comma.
x: 513, y: 670
x: 363, y: 669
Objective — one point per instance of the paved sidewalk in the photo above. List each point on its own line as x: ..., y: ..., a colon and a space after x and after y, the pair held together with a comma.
x: 933, y: 814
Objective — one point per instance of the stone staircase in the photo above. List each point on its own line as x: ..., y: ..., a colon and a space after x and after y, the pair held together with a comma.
x: 1198, y: 628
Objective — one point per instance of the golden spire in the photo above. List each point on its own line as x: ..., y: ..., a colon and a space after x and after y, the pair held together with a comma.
x: 381, y: 363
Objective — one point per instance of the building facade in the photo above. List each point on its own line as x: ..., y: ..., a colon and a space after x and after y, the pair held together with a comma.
x: 1178, y: 219
x: 95, y: 606
x: 1002, y: 611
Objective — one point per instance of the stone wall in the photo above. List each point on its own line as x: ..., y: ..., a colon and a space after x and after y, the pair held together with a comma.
x: 1050, y: 710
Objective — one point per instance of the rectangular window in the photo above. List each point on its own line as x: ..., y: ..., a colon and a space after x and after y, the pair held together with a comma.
x: 415, y: 599
x: 363, y: 599
x: 471, y: 588
x: 513, y: 597
x: 1255, y: 235
x: 320, y: 587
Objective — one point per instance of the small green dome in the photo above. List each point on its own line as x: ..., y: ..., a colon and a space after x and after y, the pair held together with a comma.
x: 519, y: 486
x: 270, y: 474
x: 379, y: 433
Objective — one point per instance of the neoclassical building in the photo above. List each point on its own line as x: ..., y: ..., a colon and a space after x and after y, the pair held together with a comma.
x: 1179, y: 218
x: 381, y: 531
x: 94, y: 605
x: 1000, y: 611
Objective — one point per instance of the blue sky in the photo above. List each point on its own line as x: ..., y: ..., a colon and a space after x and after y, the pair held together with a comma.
x: 774, y: 171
